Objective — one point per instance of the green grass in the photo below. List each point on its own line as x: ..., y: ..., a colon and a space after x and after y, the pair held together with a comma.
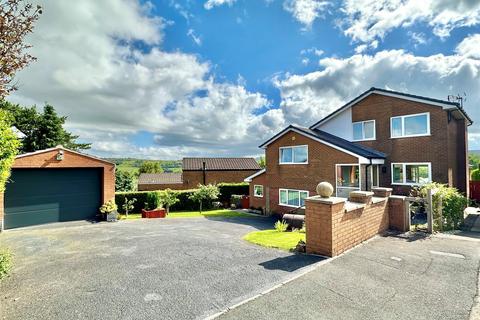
x: 274, y: 239
x: 223, y: 213
x: 131, y: 216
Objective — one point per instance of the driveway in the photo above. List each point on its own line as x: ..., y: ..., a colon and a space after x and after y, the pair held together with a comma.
x: 139, y: 269
x: 396, y: 277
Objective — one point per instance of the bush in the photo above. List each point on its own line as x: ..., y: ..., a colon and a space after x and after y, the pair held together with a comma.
x: 5, y: 262
x: 281, y: 226
x: 9, y: 145
x: 203, y: 194
x: 125, y: 181
x: 453, y: 205
x: 153, y: 199
x: 236, y: 200
x: 229, y: 189
x: 475, y: 175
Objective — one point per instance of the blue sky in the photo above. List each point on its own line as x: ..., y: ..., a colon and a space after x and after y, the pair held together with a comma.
x: 166, y: 79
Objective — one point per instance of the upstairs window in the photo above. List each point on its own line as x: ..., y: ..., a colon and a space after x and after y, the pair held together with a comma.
x: 294, y: 155
x: 410, y: 126
x: 364, y: 130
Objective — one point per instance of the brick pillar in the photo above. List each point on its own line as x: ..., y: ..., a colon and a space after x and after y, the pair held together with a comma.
x: 319, y: 216
x: 1, y: 212
x: 398, y: 214
x: 382, y: 192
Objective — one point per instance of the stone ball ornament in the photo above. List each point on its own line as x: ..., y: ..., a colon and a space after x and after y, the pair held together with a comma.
x: 324, y: 189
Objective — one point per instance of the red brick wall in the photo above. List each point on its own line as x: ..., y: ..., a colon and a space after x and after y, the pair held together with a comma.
x: 397, y: 213
x: 332, y: 228
x: 436, y: 148
x: 258, y: 202
x: 72, y: 160
x: 320, y: 167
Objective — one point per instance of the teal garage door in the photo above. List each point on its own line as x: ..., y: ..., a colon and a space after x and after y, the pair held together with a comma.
x: 37, y: 196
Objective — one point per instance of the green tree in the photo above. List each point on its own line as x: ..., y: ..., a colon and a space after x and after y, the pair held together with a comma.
x: 124, y: 181
x: 150, y: 167
x: 9, y: 145
x: 41, y: 130
x: 16, y: 22
x: 168, y: 198
x: 208, y: 192
x: 261, y: 162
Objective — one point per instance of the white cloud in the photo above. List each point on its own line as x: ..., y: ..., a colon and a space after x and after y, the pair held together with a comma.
x: 195, y: 38
x: 370, y: 19
x: 309, y: 97
x: 89, y: 68
x: 210, y: 4
x: 306, y: 11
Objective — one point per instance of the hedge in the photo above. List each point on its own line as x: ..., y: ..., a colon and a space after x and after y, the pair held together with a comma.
x: 151, y: 198
x: 229, y: 189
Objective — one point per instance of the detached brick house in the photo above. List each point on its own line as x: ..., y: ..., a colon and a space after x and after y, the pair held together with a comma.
x: 197, y: 171
x: 381, y: 138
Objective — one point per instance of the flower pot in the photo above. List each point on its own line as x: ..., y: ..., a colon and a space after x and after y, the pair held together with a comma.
x: 157, y: 213
x: 112, y: 216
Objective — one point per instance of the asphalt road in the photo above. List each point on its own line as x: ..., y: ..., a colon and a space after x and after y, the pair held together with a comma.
x: 140, y: 269
x: 386, y: 278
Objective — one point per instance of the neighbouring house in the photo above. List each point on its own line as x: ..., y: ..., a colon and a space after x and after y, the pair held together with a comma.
x: 381, y: 138
x: 197, y: 171
x: 55, y: 185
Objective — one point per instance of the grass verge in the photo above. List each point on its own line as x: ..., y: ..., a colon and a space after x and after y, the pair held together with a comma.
x: 275, y: 239
x: 5, y: 262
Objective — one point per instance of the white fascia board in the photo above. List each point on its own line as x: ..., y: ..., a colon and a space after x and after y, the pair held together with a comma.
x: 256, y: 174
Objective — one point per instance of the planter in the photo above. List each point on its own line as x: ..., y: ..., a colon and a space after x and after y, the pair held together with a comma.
x: 112, y: 216
x: 157, y: 213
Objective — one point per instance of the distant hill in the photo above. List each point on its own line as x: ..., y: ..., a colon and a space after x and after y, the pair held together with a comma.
x: 132, y: 164
x: 477, y: 152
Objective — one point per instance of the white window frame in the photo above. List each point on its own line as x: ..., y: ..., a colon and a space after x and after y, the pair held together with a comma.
x: 404, y: 168
x: 403, y: 125
x: 286, y: 204
x: 375, y: 184
x: 363, y: 131
x: 359, y: 177
x: 254, y: 188
x: 293, y: 157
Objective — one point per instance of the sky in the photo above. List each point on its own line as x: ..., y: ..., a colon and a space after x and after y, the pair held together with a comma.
x: 166, y: 79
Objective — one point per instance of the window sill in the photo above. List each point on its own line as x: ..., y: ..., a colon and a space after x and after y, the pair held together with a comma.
x: 283, y: 163
x: 413, y: 136
x: 364, y: 140
x: 290, y: 206
x: 255, y: 196
x: 408, y: 184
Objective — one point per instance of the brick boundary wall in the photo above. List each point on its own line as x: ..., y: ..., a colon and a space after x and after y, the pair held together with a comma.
x: 334, y: 225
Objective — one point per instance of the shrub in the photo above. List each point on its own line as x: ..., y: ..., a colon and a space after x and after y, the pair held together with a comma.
x: 475, y: 175
x: 125, y: 181
x: 204, y: 193
x: 236, y: 200
x: 9, y: 145
x: 151, y: 200
x: 107, y: 207
x: 167, y: 198
x: 229, y: 189
x: 281, y: 226
x: 453, y: 205
x: 5, y: 262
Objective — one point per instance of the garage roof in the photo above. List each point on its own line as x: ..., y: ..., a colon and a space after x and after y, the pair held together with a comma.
x: 30, y: 154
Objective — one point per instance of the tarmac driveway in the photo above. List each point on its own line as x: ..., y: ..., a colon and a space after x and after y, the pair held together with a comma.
x: 139, y: 269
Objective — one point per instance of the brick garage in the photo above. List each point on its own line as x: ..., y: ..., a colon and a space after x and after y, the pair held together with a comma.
x: 55, y: 185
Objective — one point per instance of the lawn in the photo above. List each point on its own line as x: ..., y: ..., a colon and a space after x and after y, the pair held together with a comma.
x: 222, y: 213
x: 275, y: 239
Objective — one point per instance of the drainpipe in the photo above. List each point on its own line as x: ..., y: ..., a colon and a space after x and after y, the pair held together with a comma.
x: 204, y: 168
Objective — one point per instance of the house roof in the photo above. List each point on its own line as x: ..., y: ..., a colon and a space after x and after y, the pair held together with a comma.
x: 219, y: 164
x: 436, y: 102
x: 160, y: 178
x: 332, y: 140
